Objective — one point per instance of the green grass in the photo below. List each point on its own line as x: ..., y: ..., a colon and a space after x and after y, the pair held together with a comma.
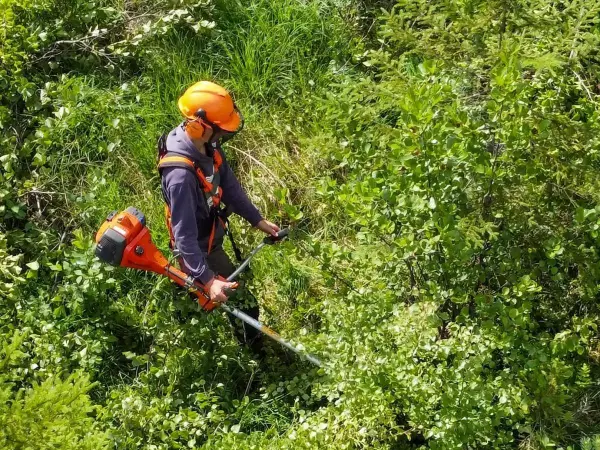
x: 276, y: 50
x: 404, y: 323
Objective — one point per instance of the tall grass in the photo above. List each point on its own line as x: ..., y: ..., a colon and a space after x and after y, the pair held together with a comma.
x: 263, y: 51
x: 273, y: 56
x: 274, y: 50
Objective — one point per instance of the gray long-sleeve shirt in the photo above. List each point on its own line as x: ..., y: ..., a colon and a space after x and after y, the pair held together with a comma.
x: 190, y: 218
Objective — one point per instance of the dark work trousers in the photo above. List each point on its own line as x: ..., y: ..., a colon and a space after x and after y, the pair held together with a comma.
x: 219, y: 262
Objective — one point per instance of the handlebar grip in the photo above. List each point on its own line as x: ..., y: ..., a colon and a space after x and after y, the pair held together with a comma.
x: 281, y: 234
x: 228, y: 292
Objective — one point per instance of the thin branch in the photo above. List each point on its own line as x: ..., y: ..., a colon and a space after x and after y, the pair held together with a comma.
x: 35, y: 192
x: 275, y: 177
x: 582, y: 84
x: 85, y: 41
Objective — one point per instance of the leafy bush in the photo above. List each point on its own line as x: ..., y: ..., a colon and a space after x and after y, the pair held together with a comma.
x: 437, y: 160
x: 49, y: 415
x: 467, y: 166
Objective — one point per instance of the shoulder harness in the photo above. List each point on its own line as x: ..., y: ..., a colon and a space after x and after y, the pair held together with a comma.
x: 212, y: 190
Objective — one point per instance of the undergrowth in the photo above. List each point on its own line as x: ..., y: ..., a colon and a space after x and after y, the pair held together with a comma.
x: 436, y: 161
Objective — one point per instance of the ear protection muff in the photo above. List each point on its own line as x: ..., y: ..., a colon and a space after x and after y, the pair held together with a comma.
x: 225, y: 135
x: 195, y: 128
x: 201, y: 114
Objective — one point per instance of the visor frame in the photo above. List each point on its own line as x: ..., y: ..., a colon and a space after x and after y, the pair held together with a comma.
x: 226, y: 135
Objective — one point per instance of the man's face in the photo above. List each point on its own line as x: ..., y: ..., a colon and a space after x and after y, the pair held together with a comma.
x: 221, y: 136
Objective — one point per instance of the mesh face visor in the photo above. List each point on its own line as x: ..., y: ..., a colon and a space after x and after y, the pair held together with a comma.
x: 226, y: 135
x: 223, y: 135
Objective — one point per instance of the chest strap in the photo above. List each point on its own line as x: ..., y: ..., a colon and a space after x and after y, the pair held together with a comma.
x: 212, y: 189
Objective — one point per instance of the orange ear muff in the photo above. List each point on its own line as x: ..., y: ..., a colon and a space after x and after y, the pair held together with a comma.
x: 194, y: 129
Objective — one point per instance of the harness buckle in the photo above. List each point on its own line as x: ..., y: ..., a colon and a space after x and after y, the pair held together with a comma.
x: 189, y: 283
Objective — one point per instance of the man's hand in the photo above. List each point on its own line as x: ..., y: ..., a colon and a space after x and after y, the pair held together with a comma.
x: 268, y: 227
x: 216, y: 288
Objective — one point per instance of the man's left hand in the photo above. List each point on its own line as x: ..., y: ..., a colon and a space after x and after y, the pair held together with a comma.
x: 268, y: 227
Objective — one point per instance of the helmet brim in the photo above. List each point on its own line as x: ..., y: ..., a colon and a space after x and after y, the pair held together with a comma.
x: 185, y: 110
x: 233, y: 123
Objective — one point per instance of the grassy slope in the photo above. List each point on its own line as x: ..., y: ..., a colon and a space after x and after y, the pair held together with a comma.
x: 266, y: 55
x: 184, y: 379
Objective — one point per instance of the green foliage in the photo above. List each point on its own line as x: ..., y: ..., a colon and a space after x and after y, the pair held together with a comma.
x: 592, y: 443
x: 9, y: 269
x: 468, y: 171
x: 438, y: 161
x: 54, y: 414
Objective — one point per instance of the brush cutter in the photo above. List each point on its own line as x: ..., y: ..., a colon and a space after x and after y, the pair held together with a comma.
x: 124, y: 240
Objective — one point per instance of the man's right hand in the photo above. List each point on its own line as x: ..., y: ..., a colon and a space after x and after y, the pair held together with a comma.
x: 216, y: 288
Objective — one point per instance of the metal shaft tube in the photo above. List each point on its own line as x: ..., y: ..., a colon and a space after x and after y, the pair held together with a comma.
x: 244, y: 264
x: 255, y: 323
x: 272, y: 334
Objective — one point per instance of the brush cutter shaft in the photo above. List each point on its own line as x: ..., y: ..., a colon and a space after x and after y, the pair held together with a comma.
x: 269, y: 240
x: 272, y: 334
x: 250, y: 320
x: 245, y: 263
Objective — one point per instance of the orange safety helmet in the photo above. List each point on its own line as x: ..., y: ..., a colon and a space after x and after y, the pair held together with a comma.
x: 212, y: 104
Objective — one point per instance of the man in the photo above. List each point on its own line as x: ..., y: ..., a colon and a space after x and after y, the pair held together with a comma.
x: 195, y: 179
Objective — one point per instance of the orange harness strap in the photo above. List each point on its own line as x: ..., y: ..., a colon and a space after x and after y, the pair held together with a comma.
x: 168, y: 161
x: 169, y: 227
x: 213, y: 191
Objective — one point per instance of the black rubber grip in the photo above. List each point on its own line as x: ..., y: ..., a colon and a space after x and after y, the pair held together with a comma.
x: 281, y: 234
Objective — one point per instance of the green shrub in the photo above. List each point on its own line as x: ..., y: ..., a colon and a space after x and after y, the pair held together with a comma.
x: 465, y: 162
x: 54, y: 414
x: 440, y: 174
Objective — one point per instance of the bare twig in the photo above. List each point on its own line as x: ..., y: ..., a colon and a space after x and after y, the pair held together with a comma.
x: 582, y: 84
x: 249, y: 383
x: 275, y: 177
x: 35, y: 192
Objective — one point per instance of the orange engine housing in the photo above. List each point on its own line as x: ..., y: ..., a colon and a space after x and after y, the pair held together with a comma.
x: 123, y: 240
